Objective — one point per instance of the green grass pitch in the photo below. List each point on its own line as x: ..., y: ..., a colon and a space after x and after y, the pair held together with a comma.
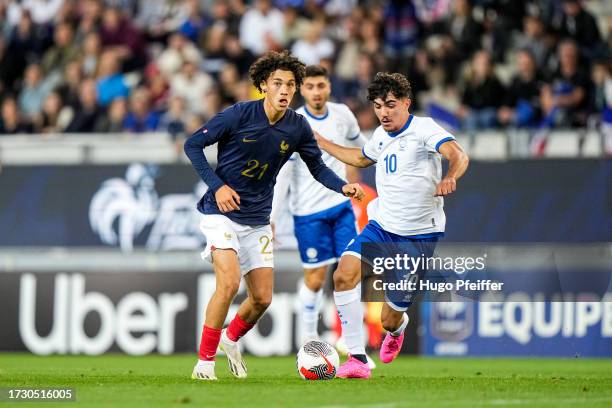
x: 116, y: 380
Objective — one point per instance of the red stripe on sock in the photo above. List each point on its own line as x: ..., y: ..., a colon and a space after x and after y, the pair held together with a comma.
x: 209, y: 343
x: 238, y: 328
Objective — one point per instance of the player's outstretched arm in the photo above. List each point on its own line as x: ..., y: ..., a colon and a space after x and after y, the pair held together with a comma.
x: 457, y: 165
x: 349, y: 155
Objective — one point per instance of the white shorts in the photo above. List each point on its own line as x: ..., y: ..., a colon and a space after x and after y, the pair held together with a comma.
x: 253, y: 244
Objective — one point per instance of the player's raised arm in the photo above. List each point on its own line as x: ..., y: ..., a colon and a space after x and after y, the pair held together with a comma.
x: 350, y: 155
x: 457, y: 165
x: 311, y: 155
x: 209, y: 134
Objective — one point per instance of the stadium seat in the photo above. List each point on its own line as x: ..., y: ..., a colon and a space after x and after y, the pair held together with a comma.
x: 489, y: 145
x: 564, y: 143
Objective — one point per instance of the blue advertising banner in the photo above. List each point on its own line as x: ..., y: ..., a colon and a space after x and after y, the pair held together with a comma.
x: 519, y: 326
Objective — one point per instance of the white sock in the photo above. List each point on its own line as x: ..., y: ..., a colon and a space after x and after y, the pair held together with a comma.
x: 402, y: 327
x: 202, y: 363
x: 350, y: 310
x: 310, y: 304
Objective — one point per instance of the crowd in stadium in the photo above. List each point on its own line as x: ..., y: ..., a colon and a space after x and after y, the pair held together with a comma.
x: 168, y: 65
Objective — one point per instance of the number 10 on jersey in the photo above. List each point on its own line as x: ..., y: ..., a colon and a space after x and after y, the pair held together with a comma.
x: 390, y: 163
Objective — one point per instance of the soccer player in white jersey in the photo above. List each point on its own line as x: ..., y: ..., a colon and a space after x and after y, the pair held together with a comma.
x: 407, y: 152
x: 323, y: 223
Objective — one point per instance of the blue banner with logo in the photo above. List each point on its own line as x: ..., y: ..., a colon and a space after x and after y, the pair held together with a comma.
x: 519, y: 326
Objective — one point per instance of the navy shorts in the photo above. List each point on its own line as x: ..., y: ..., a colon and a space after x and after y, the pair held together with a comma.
x: 414, y: 246
x: 323, y: 236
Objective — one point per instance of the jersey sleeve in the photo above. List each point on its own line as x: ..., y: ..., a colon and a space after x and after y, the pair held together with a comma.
x: 353, y: 136
x: 435, y: 135
x: 369, y: 149
x: 311, y: 155
x: 221, y: 125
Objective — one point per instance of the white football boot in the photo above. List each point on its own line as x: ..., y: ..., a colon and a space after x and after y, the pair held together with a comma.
x: 234, y: 357
x: 204, y: 370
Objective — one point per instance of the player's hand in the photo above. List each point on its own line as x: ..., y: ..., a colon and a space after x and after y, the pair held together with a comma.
x: 227, y: 199
x: 353, y: 190
x: 446, y: 186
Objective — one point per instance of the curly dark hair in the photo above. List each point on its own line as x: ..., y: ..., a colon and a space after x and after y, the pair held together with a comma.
x: 385, y: 83
x: 316, y: 70
x: 271, y: 61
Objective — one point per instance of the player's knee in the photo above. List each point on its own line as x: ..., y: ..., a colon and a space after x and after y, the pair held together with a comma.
x: 344, y: 279
x: 314, y: 282
x: 228, y: 288
x: 261, y: 301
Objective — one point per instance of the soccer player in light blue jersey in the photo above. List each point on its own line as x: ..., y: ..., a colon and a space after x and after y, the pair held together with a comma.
x: 407, y: 152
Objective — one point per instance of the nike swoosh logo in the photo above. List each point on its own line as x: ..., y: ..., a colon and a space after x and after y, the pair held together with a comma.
x: 213, y: 355
x: 330, y: 367
x: 245, y: 140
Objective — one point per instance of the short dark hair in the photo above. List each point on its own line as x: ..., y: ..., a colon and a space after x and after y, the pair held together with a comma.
x: 385, y: 83
x: 270, y: 62
x: 316, y: 70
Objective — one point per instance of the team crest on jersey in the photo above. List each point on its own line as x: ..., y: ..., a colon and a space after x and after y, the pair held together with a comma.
x: 284, y: 146
x: 402, y: 143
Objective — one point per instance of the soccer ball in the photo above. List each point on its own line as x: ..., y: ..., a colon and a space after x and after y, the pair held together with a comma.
x: 317, y: 360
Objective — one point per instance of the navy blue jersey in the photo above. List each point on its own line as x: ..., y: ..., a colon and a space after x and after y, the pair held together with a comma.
x: 251, y: 152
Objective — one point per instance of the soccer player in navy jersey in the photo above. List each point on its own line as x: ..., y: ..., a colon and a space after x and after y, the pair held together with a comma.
x: 254, y: 140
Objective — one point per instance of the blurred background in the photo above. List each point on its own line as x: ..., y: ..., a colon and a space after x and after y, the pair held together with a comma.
x: 99, y: 234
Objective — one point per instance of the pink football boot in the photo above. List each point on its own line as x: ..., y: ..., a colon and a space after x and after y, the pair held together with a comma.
x: 354, y: 368
x: 391, y: 347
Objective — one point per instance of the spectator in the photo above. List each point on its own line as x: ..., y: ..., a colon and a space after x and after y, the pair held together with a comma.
x: 92, y: 49
x: 71, y: 82
x: 602, y: 87
x: 54, y: 117
x: 91, y: 18
x: 112, y: 121
x: 87, y: 112
x: 482, y: 94
x: 173, y: 121
x: 191, y: 85
x: 32, y: 39
x: 119, y: 35
x: 159, y: 18
x: 236, y: 55
x: 564, y: 96
x: 462, y: 28
x: 42, y: 11
x: 532, y: 38
x: 213, y: 48
x: 262, y: 28
x: 522, y: 104
x: 296, y: 26
x: 141, y: 118
x: 62, y: 52
x: 35, y: 90
x: 11, y: 122
x: 111, y: 83
x: 174, y: 56
x: 313, y: 46
x: 196, y: 23
x: 580, y: 25
x: 402, y: 28
x: 12, y: 64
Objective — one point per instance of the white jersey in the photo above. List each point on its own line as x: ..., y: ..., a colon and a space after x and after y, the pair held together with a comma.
x: 408, y: 169
x: 306, y: 195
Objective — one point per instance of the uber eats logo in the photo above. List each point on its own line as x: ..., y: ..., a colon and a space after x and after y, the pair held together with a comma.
x: 138, y: 323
